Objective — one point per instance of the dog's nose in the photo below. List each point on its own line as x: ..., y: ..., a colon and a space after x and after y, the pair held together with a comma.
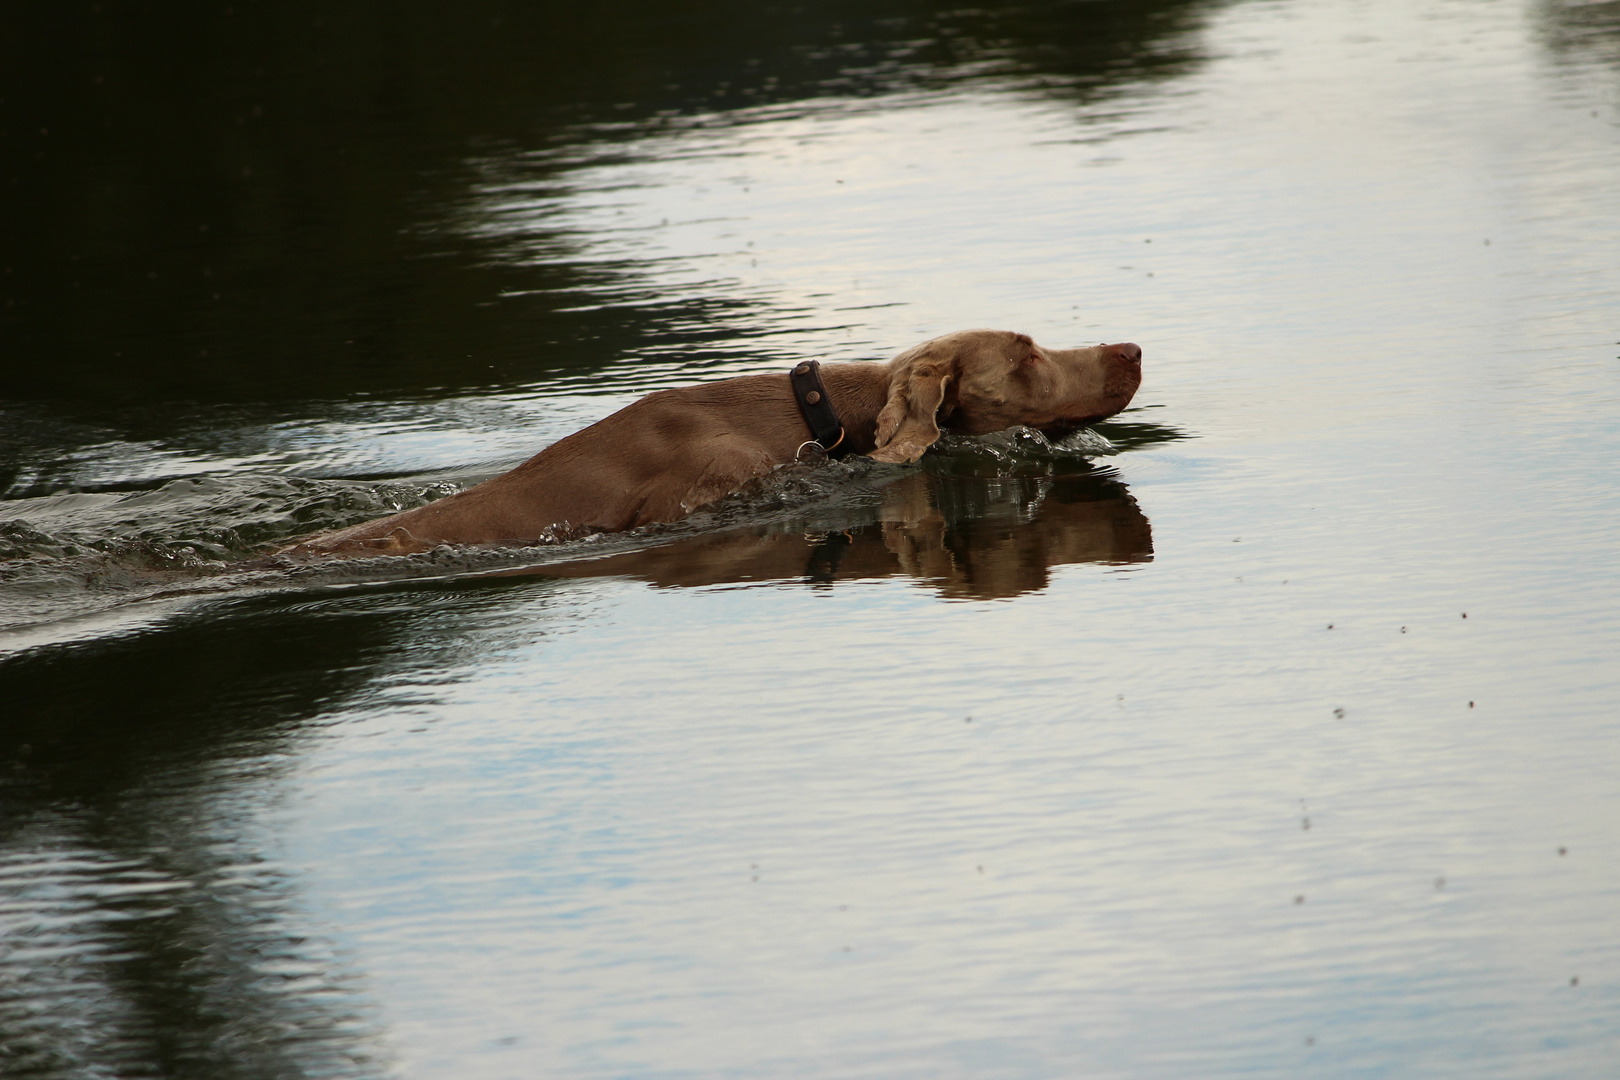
x: 1128, y: 351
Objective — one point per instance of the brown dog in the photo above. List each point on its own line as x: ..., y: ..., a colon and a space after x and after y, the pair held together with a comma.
x: 674, y: 451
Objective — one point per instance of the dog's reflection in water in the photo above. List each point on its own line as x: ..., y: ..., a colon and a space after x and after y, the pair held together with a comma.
x: 968, y: 537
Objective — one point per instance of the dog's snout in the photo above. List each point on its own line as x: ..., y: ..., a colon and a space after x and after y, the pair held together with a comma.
x: 1128, y: 351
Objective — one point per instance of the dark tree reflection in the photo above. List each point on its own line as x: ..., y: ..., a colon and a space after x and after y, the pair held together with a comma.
x: 226, y: 202
x: 148, y: 928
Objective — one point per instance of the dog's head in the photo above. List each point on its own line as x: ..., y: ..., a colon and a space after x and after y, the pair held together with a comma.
x: 978, y: 381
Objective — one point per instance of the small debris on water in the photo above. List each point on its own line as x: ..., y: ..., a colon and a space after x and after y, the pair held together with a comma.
x: 1470, y: 704
x: 1563, y: 851
x: 1305, y: 824
x: 1574, y: 980
x: 1310, y: 1040
x: 1330, y: 626
x: 1439, y: 883
x: 1300, y: 899
x: 981, y: 869
x: 1465, y: 614
x: 1339, y: 713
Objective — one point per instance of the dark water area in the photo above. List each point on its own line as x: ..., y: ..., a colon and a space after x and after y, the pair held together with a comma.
x: 245, y: 203
x: 1269, y: 728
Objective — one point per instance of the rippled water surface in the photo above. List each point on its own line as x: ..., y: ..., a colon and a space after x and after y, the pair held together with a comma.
x: 1269, y: 729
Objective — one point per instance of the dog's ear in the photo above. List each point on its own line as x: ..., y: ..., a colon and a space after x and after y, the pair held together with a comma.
x: 918, y: 381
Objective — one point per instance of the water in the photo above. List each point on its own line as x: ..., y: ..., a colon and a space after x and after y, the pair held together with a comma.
x: 1269, y: 730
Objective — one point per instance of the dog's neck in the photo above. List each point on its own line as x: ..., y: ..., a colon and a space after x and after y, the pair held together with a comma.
x: 858, y: 392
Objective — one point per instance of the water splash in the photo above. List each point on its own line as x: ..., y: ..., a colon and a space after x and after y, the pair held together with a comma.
x: 1022, y: 444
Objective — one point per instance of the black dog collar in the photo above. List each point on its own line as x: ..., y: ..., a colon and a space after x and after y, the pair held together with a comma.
x: 826, y: 430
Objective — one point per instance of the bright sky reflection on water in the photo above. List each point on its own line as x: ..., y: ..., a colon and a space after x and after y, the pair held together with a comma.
x: 1102, y: 871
